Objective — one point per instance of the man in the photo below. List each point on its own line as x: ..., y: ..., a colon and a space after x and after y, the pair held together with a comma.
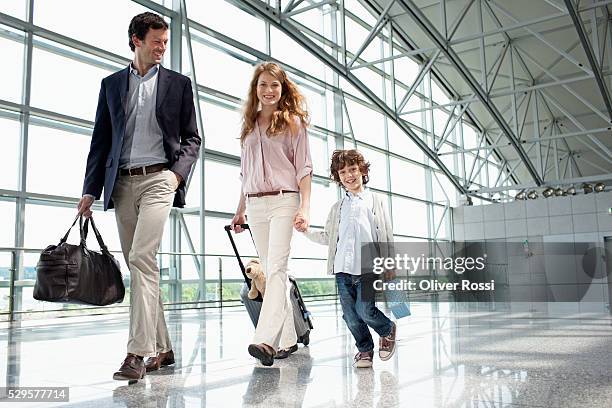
x: 143, y: 145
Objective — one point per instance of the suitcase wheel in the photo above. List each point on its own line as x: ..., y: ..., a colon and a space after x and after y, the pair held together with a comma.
x: 305, y: 339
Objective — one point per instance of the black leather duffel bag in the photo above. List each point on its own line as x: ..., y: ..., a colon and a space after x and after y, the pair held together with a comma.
x: 74, y: 274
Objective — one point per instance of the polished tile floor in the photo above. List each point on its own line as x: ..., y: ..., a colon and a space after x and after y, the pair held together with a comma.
x: 448, y: 356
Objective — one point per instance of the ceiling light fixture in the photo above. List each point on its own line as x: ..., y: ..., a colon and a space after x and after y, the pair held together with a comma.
x: 548, y: 192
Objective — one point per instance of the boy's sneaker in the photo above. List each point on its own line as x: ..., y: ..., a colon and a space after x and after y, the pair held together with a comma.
x: 387, y: 345
x: 364, y: 360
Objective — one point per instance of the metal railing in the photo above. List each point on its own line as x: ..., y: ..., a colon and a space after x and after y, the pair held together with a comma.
x: 219, y: 283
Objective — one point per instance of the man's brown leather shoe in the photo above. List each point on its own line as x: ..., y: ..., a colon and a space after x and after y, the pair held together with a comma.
x: 264, y: 353
x: 161, y: 360
x: 132, y: 369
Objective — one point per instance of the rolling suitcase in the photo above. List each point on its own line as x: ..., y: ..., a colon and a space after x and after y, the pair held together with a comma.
x: 301, y: 316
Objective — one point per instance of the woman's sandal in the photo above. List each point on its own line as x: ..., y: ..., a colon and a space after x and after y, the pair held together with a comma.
x: 264, y: 353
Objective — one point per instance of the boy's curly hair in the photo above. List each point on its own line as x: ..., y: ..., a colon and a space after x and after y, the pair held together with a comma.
x: 343, y: 158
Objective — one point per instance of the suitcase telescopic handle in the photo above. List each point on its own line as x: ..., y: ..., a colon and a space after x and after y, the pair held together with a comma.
x: 228, y: 229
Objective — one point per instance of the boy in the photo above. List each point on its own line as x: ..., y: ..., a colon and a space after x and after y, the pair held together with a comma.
x: 358, y: 218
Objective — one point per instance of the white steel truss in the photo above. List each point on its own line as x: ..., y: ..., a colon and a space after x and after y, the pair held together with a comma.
x: 516, y: 98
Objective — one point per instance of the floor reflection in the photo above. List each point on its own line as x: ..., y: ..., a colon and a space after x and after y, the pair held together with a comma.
x: 272, y: 386
x: 448, y: 356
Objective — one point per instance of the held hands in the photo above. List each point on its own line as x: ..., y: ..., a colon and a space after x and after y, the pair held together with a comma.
x: 84, y: 206
x: 389, y: 275
x: 238, y: 220
x: 301, y: 220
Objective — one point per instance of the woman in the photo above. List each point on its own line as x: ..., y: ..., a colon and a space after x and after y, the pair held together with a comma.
x: 276, y: 172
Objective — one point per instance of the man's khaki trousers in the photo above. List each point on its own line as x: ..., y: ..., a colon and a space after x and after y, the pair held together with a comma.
x: 142, y: 205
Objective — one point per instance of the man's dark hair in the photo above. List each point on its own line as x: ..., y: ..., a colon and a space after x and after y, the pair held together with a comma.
x: 140, y: 25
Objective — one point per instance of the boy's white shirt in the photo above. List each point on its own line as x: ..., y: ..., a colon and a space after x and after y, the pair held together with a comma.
x: 356, y: 226
x: 329, y: 236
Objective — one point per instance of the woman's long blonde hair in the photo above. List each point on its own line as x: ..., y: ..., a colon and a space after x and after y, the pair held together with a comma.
x: 291, y: 105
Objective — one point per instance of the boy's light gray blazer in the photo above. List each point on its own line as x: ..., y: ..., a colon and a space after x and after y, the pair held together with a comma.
x: 329, y: 236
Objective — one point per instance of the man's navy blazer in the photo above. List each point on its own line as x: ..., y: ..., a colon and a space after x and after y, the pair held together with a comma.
x: 175, y: 113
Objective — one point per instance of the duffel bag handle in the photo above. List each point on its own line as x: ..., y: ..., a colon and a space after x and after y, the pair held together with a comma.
x: 103, y: 246
x: 84, y: 228
x: 65, y: 237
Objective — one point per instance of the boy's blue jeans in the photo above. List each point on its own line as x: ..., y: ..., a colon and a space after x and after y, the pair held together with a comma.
x: 359, y: 313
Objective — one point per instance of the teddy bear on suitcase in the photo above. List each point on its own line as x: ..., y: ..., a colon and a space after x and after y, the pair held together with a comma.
x: 254, y: 271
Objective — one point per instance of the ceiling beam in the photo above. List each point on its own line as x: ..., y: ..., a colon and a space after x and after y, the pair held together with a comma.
x: 419, y: 18
x: 588, y: 49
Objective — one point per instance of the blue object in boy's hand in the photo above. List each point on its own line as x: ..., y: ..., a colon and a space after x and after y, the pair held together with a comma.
x: 400, y: 310
x: 397, y: 301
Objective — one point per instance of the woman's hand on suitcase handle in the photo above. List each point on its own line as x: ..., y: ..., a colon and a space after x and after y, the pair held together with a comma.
x: 237, y: 221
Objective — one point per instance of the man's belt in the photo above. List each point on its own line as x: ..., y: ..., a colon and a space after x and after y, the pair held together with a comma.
x: 139, y: 171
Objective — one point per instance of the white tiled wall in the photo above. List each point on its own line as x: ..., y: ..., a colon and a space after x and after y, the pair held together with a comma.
x: 579, y: 214
x: 580, y: 218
